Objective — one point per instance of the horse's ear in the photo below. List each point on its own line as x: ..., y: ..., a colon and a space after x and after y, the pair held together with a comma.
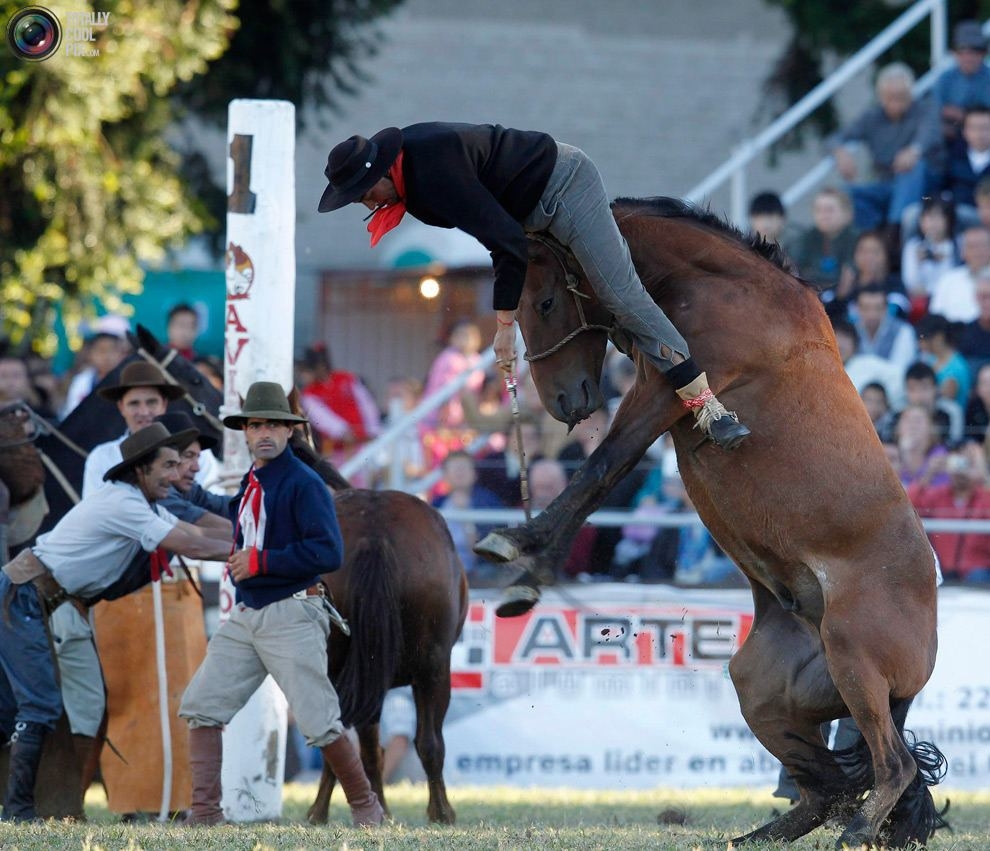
x: 147, y: 341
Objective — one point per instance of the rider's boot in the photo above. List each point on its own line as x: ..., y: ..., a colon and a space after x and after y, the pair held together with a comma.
x: 345, y: 762
x: 205, y: 765
x: 25, y: 757
x: 722, y: 427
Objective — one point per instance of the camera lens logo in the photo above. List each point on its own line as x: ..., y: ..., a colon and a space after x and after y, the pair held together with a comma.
x: 34, y: 33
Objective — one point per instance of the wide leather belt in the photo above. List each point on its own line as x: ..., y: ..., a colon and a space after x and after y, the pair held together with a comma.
x: 312, y: 591
x: 27, y: 567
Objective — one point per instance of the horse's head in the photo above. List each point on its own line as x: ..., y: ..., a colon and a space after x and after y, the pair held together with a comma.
x: 21, y: 468
x: 556, y: 310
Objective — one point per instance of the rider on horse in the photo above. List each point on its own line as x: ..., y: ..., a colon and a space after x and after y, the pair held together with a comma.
x: 498, y: 185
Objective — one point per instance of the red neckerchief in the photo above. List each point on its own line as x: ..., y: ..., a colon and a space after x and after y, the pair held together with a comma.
x: 159, y: 565
x: 251, y: 500
x: 389, y: 217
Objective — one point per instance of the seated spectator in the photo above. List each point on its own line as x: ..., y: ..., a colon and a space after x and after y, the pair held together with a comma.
x: 500, y: 471
x: 954, y: 293
x: 920, y: 451
x: 874, y: 397
x: 921, y: 388
x: 936, y: 341
x: 871, y: 268
x: 879, y: 332
x: 623, y: 376
x: 865, y: 369
x: 547, y: 480
x: 968, y: 163
x: 978, y: 409
x: 584, y: 440
x: 901, y: 135
x: 974, y: 336
x: 463, y: 491
x: 396, y: 734
x: 967, y: 83
x: 341, y: 410
x: 100, y: 355
x: 964, y: 556
x: 768, y: 218
x: 16, y: 386
x: 182, y: 329
x: 822, y: 251
x: 928, y: 253
x: 402, y: 394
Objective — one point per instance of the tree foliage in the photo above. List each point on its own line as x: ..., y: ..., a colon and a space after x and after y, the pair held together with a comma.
x: 824, y: 30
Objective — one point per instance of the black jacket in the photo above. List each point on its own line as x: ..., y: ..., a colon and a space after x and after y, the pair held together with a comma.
x: 485, y: 180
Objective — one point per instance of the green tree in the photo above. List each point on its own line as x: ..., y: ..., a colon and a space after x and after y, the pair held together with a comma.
x: 838, y: 28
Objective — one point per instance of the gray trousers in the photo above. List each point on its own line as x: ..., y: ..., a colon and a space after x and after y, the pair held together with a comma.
x: 574, y: 209
x: 288, y: 640
x: 79, y: 669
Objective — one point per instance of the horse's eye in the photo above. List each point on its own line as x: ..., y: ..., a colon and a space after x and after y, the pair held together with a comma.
x: 545, y: 306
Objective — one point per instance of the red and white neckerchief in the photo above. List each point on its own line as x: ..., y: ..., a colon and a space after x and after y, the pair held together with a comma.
x: 251, y: 521
x: 386, y: 218
x: 160, y: 565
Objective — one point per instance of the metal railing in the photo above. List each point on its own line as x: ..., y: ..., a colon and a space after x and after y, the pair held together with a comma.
x: 734, y: 169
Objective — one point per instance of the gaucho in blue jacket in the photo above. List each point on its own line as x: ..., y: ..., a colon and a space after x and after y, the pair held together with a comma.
x: 286, y: 534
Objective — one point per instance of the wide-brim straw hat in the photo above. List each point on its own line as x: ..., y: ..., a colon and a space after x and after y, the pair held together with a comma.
x: 265, y: 400
x: 357, y: 164
x: 140, y: 373
x: 145, y: 443
x: 177, y: 421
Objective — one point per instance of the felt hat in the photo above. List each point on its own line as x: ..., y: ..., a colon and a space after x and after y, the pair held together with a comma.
x: 145, y: 443
x: 180, y: 421
x: 140, y: 373
x: 265, y: 400
x: 354, y: 166
x: 969, y: 35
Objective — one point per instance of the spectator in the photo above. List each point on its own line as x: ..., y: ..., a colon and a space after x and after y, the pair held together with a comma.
x: 16, y: 386
x: 864, y: 369
x: 903, y: 140
x: 585, y: 437
x: 921, y: 452
x: 974, y: 337
x: 928, y: 253
x: 978, y: 409
x: 954, y: 294
x: 981, y: 195
x: 964, y: 556
x: 921, y: 388
x: 935, y: 339
x: 622, y: 372
x: 880, y: 333
x: 547, y: 480
x: 874, y: 396
x: 500, y: 471
x: 182, y: 329
x: 871, y: 268
x: 397, y: 732
x: 968, y: 163
x: 102, y: 353
x: 463, y: 491
x: 342, y: 411
x: 965, y: 85
x: 824, y: 249
x: 768, y: 218
x: 445, y: 430
x: 402, y: 394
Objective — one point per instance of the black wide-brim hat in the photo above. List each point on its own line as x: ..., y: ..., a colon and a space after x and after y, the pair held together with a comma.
x: 176, y: 421
x: 140, y: 373
x: 354, y: 166
x: 265, y: 400
x: 145, y: 443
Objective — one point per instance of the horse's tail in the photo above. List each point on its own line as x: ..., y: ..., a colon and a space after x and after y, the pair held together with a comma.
x: 915, y: 818
x: 376, y: 641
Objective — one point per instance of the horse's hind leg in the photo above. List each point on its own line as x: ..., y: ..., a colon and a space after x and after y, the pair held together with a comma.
x: 371, y: 759
x: 432, y: 694
x: 785, y: 693
x: 320, y: 809
x: 873, y: 664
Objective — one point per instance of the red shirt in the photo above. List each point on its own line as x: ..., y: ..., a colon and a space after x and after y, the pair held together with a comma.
x: 959, y: 552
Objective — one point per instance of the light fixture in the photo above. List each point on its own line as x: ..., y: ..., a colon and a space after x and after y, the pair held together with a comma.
x: 429, y: 288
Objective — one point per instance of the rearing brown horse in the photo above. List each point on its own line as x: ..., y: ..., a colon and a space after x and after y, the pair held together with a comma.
x: 843, y: 577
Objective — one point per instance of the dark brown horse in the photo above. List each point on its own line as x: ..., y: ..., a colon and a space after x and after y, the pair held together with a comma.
x: 22, y: 476
x: 403, y: 590
x: 843, y: 577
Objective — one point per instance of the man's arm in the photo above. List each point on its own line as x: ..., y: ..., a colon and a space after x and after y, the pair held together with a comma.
x: 194, y: 542
x: 215, y: 526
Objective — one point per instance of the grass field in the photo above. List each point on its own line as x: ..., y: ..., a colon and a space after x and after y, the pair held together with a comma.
x: 488, y: 818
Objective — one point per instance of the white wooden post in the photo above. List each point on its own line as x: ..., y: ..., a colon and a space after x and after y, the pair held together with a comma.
x: 260, y: 270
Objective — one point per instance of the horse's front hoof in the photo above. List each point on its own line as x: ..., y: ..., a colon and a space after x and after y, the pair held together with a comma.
x: 517, y: 600
x: 498, y: 547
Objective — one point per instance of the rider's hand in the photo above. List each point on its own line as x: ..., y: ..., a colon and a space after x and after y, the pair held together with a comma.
x: 505, y: 340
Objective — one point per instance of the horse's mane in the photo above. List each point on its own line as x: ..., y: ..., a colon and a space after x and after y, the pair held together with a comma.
x: 675, y: 208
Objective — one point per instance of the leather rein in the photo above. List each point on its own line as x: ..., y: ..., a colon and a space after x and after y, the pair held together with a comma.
x: 572, y: 283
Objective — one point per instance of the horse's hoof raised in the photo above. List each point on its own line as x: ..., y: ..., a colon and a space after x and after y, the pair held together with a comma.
x: 517, y: 600
x: 498, y: 548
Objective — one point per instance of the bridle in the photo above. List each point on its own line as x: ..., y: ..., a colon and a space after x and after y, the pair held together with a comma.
x: 22, y: 408
x: 198, y: 408
x: 558, y: 252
